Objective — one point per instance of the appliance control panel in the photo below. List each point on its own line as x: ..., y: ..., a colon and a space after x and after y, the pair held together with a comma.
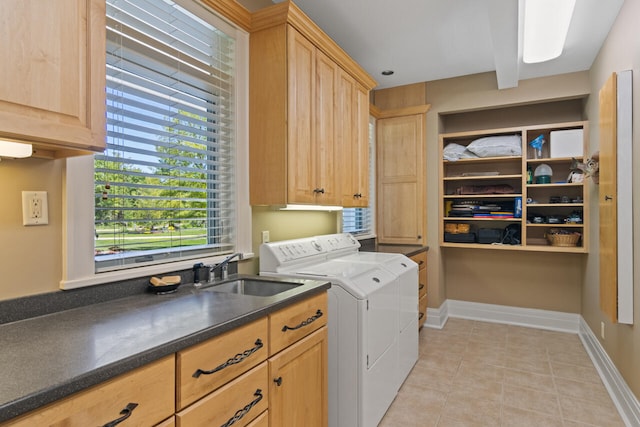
x: 277, y: 255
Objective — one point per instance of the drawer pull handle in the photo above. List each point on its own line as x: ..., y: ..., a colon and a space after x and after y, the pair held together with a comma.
x: 420, y: 316
x: 242, y: 412
x: 278, y: 381
x: 310, y: 320
x: 126, y: 413
x: 234, y: 360
x: 420, y: 287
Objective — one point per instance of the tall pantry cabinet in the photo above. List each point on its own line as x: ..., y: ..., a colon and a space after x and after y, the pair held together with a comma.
x: 401, y: 175
x: 298, y: 143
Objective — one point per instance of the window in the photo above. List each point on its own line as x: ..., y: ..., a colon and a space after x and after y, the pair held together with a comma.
x: 165, y: 184
x: 172, y: 184
x: 361, y: 221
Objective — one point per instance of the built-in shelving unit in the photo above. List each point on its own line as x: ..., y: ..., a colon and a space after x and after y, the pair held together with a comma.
x: 472, y: 187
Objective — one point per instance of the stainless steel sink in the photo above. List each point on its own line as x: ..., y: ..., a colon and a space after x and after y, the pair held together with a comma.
x: 260, y: 288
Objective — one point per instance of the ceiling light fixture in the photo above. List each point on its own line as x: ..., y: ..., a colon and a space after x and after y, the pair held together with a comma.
x: 387, y: 72
x: 546, y: 23
x: 15, y: 149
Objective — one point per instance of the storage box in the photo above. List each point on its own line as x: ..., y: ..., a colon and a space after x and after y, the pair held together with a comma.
x: 460, y: 237
x: 566, y: 143
x: 489, y: 235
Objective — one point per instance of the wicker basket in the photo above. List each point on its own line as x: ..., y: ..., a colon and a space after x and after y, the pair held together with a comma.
x: 566, y: 240
x: 456, y: 228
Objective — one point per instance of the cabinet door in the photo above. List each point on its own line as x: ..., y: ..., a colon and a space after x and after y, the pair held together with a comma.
x: 400, y: 154
x: 301, y: 113
x: 361, y: 147
x: 298, y: 383
x: 52, y: 76
x: 325, y: 131
x: 353, y: 141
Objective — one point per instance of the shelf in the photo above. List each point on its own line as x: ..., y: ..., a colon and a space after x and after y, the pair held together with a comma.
x: 464, y: 174
x: 481, y: 177
x: 554, y: 205
x: 455, y: 218
x: 530, y: 248
x: 481, y: 196
x: 562, y: 225
x: 483, y: 160
x: 556, y: 184
x: 555, y: 159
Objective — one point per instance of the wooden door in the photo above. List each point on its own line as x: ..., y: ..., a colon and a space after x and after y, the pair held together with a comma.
x: 52, y: 76
x: 608, y: 200
x: 326, y: 183
x: 301, y: 112
x: 298, y: 390
x: 400, y: 172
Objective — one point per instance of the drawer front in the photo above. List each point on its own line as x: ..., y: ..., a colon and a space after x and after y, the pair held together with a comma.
x: 148, y: 392
x: 420, y: 259
x: 422, y: 283
x: 244, y: 398
x: 211, y: 364
x: 422, y: 310
x: 171, y: 422
x: 297, y: 321
x: 261, y: 421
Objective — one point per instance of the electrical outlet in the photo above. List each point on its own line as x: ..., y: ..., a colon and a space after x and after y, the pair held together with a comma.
x: 35, y: 209
x: 602, y: 330
x: 265, y: 237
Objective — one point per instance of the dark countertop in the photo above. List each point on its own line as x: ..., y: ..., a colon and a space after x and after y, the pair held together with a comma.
x: 48, y: 357
x: 408, y: 250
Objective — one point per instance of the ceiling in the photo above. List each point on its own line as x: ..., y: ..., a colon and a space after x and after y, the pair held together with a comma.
x: 425, y: 40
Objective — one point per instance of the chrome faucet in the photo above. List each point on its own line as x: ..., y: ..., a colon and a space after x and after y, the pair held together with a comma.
x: 223, y: 265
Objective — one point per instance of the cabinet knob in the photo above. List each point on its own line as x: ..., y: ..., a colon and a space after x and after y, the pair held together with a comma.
x: 278, y: 381
x: 419, y: 236
x: 606, y: 198
x: 357, y: 195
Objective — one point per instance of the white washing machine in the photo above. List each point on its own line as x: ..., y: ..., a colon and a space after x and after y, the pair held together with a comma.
x: 345, y: 247
x: 366, y: 368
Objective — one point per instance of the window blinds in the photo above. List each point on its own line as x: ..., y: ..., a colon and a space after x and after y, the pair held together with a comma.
x: 165, y: 183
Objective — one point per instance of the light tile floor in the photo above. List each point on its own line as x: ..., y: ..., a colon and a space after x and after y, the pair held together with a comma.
x: 477, y: 374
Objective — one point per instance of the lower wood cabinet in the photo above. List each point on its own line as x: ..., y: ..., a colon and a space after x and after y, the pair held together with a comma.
x: 270, y: 372
x: 298, y: 388
x: 421, y: 260
x: 145, y: 396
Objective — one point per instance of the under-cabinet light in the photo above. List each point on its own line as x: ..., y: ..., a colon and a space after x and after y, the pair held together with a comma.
x: 546, y: 24
x: 308, y: 208
x: 15, y: 149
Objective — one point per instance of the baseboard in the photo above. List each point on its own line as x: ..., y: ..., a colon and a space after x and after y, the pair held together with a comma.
x: 437, y: 317
x: 622, y: 396
x: 529, y: 317
x: 624, y: 399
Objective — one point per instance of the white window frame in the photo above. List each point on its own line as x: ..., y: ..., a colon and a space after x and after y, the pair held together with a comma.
x: 78, y: 201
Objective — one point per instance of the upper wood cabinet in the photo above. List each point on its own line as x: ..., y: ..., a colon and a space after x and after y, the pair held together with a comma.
x: 401, y: 174
x: 52, y: 77
x: 353, y: 141
x: 297, y: 143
